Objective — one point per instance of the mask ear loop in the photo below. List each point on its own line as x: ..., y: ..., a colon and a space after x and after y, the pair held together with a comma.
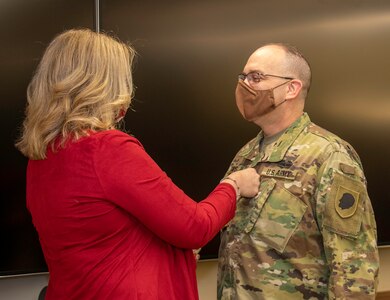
x: 281, y: 84
x: 280, y: 103
x: 276, y: 105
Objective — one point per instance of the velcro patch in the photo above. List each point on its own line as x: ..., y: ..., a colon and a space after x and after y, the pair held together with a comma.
x: 347, y: 169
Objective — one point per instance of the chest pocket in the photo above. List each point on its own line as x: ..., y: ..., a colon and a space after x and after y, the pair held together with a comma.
x: 275, y: 215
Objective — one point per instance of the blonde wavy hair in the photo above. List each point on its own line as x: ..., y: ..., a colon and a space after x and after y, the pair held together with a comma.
x: 82, y: 83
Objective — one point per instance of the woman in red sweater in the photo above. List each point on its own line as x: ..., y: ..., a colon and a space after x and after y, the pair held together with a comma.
x: 111, y: 223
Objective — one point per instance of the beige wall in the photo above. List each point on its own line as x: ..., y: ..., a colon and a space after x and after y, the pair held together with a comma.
x: 207, y: 274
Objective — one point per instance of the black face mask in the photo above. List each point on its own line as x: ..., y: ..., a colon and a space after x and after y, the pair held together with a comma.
x: 252, y: 103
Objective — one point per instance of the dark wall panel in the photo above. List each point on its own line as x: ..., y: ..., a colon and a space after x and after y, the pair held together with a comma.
x: 191, y: 51
x: 26, y: 27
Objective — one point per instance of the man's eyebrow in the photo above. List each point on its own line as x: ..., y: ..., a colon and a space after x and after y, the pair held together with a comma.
x: 255, y: 71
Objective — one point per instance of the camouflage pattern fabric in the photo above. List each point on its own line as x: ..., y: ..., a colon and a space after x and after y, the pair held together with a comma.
x: 310, y: 233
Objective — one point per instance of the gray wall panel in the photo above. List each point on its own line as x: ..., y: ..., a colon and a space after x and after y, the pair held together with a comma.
x: 26, y: 27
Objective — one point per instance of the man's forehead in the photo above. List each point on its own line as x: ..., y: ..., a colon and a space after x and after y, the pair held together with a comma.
x: 268, y: 52
x: 265, y: 58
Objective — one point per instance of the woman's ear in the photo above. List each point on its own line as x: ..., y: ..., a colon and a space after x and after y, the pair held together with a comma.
x: 120, y: 115
x: 293, y: 89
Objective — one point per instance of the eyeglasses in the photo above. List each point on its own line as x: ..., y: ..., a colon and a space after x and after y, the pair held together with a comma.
x: 256, y: 77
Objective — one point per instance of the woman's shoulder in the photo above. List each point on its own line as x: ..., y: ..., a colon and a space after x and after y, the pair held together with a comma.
x: 106, y: 141
x: 114, y: 136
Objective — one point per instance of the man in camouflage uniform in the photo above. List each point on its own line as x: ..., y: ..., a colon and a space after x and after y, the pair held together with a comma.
x: 310, y: 233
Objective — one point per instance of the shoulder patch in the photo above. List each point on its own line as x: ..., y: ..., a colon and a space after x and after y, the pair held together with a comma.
x: 346, y: 201
x: 343, y: 211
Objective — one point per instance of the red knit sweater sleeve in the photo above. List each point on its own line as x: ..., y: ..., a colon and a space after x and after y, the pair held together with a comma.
x: 133, y: 181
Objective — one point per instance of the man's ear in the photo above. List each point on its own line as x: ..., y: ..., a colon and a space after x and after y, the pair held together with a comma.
x: 293, y: 89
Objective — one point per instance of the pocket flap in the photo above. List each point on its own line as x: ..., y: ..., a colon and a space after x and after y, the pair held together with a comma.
x: 266, y: 187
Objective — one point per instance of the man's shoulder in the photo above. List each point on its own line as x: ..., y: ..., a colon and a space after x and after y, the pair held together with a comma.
x: 330, y: 141
x: 319, y: 133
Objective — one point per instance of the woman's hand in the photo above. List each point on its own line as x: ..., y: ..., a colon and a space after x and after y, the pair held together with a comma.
x: 246, y: 182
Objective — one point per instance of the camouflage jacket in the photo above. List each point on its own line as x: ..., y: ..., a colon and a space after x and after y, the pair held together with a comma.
x: 310, y: 233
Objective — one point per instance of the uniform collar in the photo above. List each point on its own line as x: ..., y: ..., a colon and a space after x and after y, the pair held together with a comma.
x: 276, y: 151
